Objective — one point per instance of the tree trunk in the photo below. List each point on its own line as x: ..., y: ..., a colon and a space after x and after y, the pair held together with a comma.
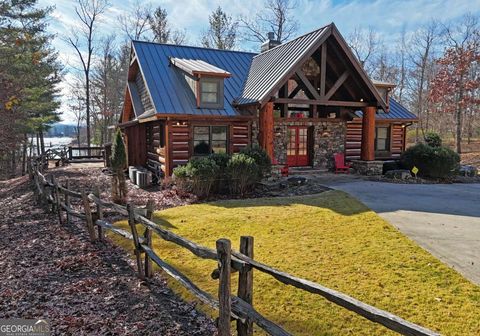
x: 24, y: 154
x: 38, y: 144
x: 87, y: 106
x: 42, y: 143
x: 458, y: 118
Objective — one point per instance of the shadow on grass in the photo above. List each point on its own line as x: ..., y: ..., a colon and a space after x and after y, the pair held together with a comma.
x: 337, y: 201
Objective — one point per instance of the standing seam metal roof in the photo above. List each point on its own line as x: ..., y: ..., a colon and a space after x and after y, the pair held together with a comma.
x: 270, y: 66
x: 396, y: 111
x: 171, y: 94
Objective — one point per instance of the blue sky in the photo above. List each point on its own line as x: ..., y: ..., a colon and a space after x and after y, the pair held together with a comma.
x: 387, y: 17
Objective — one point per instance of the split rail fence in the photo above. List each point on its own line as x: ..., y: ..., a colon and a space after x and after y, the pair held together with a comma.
x: 58, y: 197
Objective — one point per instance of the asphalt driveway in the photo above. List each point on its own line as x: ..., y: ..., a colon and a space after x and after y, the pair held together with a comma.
x: 442, y: 218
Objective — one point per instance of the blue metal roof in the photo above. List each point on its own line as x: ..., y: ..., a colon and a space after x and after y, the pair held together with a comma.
x: 396, y: 111
x: 170, y: 93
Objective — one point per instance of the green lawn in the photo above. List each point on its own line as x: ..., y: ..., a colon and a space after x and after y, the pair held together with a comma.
x: 336, y: 241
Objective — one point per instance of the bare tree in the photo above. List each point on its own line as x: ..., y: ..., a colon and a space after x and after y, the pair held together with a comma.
x: 222, y: 33
x: 277, y: 17
x: 365, y: 44
x: 422, y: 50
x: 88, y: 12
x: 401, y: 52
x: 178, y: 36
x: 77, y: 103
x: 135, y: 24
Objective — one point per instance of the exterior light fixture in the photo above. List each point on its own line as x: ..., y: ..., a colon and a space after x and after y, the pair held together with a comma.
x: 361, y: 99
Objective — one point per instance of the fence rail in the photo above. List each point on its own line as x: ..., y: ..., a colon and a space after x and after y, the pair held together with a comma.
x: 240, y: 307
x: 87, y: 154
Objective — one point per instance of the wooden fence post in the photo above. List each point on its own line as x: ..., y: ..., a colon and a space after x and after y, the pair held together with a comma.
x: 136, y: 242
x: 67, y: 201
x: 245, y: 285
x: 57, y: 200
x: 147, y: 235
x: 88, y: 215
x: 96, y: 192
x: 52, y: 193
x: 224, y: 252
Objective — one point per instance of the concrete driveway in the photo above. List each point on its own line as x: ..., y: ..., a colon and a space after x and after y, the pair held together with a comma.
x: 442, y: 218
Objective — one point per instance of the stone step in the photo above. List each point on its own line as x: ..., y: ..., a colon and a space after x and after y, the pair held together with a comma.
x: 306, y: 171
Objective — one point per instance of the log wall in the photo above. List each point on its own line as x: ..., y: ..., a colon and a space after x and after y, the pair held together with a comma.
x: 353, y: 141
x: 180, y: 138
x: 136, y: 143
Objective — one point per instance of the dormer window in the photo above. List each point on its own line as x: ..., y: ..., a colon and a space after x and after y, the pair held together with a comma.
x: 211, y: 92
x: 205, y: 80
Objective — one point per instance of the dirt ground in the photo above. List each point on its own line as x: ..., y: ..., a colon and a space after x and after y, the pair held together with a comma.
x: 53, y: 272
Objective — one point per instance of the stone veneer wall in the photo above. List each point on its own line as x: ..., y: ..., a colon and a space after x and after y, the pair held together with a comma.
x: 329, y: 138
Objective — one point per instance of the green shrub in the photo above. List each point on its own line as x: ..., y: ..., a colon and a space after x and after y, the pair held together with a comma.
x: 198, y: 175
x: 119, y: 163
x: 435, y: 162
x: 222, y: 181
x: 243, y: 172
x: 261, y: 159
x: 433, y: 139
x: 221, y: 159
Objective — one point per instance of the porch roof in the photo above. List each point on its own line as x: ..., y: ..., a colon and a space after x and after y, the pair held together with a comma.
x: 396, y: 112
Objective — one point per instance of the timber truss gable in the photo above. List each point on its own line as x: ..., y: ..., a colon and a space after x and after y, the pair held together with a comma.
x: 325, y: 75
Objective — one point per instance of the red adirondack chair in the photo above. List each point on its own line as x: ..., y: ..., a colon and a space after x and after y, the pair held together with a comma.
x: 340, y: 165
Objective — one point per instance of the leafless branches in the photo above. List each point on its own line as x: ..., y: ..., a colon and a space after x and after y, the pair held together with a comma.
x: 277, y: 17
x: 365, y: 44
x: 88, y: 13
x: 136, y: 24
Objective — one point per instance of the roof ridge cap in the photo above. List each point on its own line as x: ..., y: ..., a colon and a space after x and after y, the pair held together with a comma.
x: 296, y: 38
x: 191, y: 46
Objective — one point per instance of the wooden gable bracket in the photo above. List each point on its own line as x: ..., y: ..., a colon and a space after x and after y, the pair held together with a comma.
x: 337, y: 85
x: 295, y: 91
x: 304, y: 80
x: 323, y: 67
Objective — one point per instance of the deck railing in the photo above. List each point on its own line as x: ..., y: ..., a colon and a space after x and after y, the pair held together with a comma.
x: 238, y: 307
x: 86, y: 153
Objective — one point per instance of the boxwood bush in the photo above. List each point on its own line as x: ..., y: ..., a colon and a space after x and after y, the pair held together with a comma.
x: 222, y: 173
x: 198, y: 175
x: 433, y: 139
x: 243, y: 172
x: 434, y: 162
x: 261, y: 159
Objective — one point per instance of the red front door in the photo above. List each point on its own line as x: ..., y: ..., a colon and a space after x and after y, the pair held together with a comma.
x: 297, y: 154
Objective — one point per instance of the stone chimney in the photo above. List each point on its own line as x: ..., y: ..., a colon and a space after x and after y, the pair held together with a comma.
x: 270, y: 42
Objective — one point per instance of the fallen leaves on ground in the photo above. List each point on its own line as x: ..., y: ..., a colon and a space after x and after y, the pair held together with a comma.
x: 53, y: 272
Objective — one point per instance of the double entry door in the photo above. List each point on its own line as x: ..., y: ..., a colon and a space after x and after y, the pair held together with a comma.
x: 297, y: 147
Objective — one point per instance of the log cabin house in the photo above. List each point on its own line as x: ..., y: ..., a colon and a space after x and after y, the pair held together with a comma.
x: 302, y: 101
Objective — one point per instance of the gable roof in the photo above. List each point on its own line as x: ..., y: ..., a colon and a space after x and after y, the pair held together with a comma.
x: 396, y: 112
x: 168, y: 89
x: 272, y: 67
x: 198, y: 67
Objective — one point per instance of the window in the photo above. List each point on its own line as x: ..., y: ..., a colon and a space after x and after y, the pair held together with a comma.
x: 382, y: 139
x: 211, y: 92
x: 209, y: 139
